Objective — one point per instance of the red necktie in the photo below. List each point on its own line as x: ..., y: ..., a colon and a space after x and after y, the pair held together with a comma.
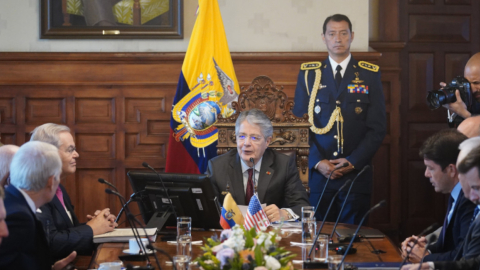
x: 249, y: 193
x: 59, y: 194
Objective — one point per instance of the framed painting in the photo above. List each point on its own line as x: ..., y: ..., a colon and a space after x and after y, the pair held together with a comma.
x: 111, y: 19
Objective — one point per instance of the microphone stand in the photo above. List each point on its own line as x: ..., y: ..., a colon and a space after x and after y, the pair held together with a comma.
x: 345, y: 201
x: 326, y: 184
x: 312, y: 264
x: 429, y: 228
x: 380, y: 204
x: 431, y: 239
x: 103, y: 181
x: 132, y: 198
x: 150, y: 245
x: 156, y: 221
x: 132, y: 225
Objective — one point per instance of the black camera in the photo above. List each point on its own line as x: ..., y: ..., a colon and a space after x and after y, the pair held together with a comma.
x: 446, y: 95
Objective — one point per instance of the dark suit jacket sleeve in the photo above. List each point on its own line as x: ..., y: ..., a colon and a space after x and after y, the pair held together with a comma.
x: 295, y: 194
x: 462, y: 264
x: 64, y: 239
x: 376, y: 125
x: 17, y: 250
x: 213, y: 180
x: 462, y: 218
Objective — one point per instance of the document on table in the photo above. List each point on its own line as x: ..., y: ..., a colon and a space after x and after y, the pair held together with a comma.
x: 123, y: 235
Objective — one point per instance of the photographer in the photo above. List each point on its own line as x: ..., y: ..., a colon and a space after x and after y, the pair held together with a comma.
x: 472, y: 74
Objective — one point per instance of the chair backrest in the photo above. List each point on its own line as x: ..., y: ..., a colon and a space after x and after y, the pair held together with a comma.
x: 290, y: 133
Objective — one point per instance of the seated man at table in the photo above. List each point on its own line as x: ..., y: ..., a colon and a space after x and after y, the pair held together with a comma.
x: 277, y: 176
x: 6, y: 155
x: 439, y: 153
x: 468, y: 257
x: 35, y: 175
x: 62, y: 226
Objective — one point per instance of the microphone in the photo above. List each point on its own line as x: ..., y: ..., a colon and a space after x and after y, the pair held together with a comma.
x: 149, y: 245
x: 346, y: 197
x: 430, y: 240
x: 253, y: 175
x: 103, y: 181
x: 325, y: 217
x: 425, y: 231
x: 132, y: 225
x: 378, y: 205
x: 144, y: 164
x: 326, y: 184
x: 133, y: 197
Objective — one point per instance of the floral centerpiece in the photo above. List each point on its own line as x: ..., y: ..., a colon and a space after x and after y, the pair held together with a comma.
x: 239, y: 249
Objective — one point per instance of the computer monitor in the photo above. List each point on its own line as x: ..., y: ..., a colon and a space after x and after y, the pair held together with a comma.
x: 191, y: 195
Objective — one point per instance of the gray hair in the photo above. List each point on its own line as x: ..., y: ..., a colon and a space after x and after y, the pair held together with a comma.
x: 255, y: 117
x: 466, y: 147
x: 6, y: 155
x: 33, y: 164
x: 49, y: 133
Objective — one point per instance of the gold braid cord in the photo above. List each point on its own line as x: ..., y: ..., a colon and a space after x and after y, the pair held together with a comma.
x: 336, y: 115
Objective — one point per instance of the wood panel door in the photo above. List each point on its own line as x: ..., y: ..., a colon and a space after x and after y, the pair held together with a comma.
x: 440, y: 37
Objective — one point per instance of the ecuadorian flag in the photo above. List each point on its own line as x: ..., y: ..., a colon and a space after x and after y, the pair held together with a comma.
x: 231, y: 214
x: 206, y: 88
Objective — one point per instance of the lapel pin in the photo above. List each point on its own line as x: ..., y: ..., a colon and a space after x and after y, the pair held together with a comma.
x: 269, y: 173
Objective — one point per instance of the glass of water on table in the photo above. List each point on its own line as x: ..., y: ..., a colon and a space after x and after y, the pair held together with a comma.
x: 184, y: 236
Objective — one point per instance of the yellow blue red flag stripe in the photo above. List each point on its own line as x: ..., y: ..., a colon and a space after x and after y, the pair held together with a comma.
x: 231, y: 214
x: 206, y: 87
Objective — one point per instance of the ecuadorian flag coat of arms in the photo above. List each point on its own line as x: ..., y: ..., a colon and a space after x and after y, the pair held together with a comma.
x: 206, y: 88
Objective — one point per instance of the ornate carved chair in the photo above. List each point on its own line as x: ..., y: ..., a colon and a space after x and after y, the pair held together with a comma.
x: 290, y: 133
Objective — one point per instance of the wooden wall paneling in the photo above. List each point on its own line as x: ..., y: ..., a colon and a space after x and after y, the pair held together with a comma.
x: 118, y: 108
x: 440, y: 37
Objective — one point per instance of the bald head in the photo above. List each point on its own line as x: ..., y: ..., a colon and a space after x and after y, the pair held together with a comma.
x: 472, y: 74
x: 6, y: 156
x: 470, y: 127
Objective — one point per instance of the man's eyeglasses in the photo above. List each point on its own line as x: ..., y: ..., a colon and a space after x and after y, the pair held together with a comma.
x: 253, y: 138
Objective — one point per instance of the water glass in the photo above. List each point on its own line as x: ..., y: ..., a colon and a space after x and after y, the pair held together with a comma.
x: 334, y: 261
x: 184, y: 245
x: 307, y: 212
x: 309, y: 229
x: 181, y: 262
x: 184, y: 226
x: 321, y: 248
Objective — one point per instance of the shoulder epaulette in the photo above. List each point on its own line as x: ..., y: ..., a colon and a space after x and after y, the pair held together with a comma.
x: 310, y: 65
x: 368, y: 66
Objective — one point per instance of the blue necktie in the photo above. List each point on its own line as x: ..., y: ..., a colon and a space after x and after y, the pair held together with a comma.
x: 475, y: 213
x: 338, y: 76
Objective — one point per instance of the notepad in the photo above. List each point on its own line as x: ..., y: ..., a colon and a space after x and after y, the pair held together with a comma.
x: 122, y: 235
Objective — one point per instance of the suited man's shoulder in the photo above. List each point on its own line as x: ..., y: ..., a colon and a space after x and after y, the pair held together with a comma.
x: 224, y: 158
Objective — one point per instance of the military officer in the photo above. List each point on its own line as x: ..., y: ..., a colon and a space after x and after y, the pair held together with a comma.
x: 344, y: 101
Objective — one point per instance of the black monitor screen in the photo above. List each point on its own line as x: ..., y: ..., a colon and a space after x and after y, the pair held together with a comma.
x: 191, y: 195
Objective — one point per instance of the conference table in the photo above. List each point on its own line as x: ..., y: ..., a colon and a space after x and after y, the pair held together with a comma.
x: 371, y: 250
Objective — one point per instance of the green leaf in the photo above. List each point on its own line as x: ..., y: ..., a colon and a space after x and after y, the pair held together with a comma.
x: 259, y: 256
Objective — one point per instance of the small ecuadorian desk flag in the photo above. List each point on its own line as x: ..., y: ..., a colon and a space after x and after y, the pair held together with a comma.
x: 231, y: 214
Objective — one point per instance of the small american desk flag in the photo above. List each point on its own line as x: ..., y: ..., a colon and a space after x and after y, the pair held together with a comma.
x: 256, y: 217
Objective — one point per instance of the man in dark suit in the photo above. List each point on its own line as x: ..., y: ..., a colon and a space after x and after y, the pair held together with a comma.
x: 468, y: 256
x: 64, y: 231
x: 35, y: 175
x: 276, y: 174
x: 345, y: 104
x: 439, y: 153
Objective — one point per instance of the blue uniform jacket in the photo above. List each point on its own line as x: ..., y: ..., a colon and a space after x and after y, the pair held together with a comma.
x: 364, y: 122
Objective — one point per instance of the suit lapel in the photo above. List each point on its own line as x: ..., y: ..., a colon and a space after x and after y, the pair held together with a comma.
x: 265, y: 175
x: 235, y: 180
x: 327, y: 77
x: 56, y: 202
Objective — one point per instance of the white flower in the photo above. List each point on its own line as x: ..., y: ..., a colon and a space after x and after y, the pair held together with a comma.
x: 271, y: 263
x: 236, y: 240
x: 265, y: 239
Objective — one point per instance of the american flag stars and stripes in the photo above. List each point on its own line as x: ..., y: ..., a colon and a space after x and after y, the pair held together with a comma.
x: 256, y: 217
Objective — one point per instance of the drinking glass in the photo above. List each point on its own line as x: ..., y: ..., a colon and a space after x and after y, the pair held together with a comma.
x: 321, y: 248
x: 184, y: 226
x: 309, y: 229
x: 181, y: 262
x: 184, y: 245
x: 334, y: 261
x: 307, y: 212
